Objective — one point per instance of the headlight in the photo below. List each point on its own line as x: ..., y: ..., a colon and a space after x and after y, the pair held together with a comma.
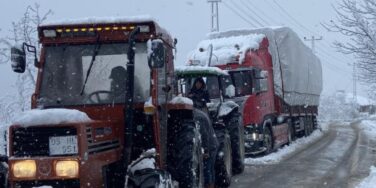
x: 66, y: 168
x: 24, y: 169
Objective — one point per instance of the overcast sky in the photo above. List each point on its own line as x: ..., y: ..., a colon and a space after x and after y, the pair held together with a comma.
x: 189, y: 22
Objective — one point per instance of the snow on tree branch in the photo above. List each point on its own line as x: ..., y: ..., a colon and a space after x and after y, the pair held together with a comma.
x: 23, y: 30
x: 356, y: 19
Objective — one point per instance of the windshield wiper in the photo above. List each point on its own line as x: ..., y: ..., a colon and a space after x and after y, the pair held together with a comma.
x: 95, y: 53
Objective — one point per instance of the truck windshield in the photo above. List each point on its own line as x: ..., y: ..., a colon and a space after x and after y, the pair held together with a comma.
x: 66, y: 67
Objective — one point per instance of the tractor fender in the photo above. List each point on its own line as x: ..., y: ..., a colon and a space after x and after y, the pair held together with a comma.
x: 226, y: 108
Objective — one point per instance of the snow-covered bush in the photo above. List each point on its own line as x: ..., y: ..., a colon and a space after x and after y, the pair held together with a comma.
x: 337, y: 107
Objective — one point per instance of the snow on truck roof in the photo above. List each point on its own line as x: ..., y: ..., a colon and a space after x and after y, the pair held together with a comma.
x: 198, y: 71
x: 100, y: 20
x: 225, y: 48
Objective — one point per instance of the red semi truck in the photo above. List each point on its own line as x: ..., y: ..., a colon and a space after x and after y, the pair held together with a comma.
x: 278, y: 81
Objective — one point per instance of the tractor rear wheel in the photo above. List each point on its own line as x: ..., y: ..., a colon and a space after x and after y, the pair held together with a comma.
x: 223, y: 163
x: 236, y: 131
x: 188, y: 160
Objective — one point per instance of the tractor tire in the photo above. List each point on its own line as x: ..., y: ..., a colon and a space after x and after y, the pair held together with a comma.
x: 236, y: 131
x: 223, y: 163
x: 268, y: 140
x: 188, y: 157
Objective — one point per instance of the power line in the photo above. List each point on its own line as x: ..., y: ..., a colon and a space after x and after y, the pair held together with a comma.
x: 297, y: 23
x: 245, y: 12
x: 237, y: 13
x: 313, y: 39
x: 252, y: 11
x: 262, y: 12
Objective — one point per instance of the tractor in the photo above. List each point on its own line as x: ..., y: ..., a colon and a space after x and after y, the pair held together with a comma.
x: 120, y: 73
x: 224, y: 115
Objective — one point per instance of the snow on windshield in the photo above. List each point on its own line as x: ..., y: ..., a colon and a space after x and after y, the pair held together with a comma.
x: 50, y: 117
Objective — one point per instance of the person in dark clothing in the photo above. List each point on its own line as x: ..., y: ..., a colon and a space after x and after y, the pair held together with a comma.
x: 118, y: 75
x: 209, y: 144
x: 199, y: 94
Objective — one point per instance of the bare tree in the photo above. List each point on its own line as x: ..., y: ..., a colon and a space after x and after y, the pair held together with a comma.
x: 23, y: 30
x: 356, y: 19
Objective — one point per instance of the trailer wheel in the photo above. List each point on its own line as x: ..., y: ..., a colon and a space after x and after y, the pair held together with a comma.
x: 223, y: 163
x: 188, y: 160
x: 236, y: 131
x: 268, y: 140
x: 306, y: 127
x: 291, y: 132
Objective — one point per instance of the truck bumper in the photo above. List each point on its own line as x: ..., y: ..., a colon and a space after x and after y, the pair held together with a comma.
x: 254, y: 147
x: 253, y: 141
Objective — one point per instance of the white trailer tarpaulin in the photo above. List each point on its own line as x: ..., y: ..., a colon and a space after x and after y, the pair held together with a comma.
x: 297, y: 71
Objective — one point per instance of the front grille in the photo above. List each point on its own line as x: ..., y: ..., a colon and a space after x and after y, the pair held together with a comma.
x: 33, y: 141
x: 54, y: 183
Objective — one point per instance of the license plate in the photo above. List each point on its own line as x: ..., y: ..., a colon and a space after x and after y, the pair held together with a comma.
x: 63, y: 145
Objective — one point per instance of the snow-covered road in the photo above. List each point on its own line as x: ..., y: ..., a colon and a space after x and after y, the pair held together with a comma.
x: 341, y: 158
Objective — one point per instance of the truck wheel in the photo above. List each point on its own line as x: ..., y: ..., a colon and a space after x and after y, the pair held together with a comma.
x: 223, y: 163
x: 151, y: 178
x: 291, y: 132
x: 268, y: 140
x: 236, y: 131
x: 188, y: 160
x: 306, y: 127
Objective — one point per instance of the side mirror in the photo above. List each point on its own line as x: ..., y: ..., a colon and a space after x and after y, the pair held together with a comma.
x: 18, y: 59
x: 230, y: 91
x: 264, y: 74
x: 157, y: 55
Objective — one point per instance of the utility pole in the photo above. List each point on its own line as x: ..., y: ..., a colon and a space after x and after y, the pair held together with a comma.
x: 313, y: 39
x: 214, y: 15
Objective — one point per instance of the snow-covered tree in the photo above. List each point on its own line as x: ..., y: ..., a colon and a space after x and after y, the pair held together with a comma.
x: 356, y: 19
x: 23, y: 30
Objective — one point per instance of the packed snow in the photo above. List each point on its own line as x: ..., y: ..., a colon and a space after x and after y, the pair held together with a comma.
x: 181, y: 100
x: 370, y: 181
x: 186, y: 70
x: 144, y: 163
x: 368, y: 127
x: 286, y: 151
x: 225, y: 50
x: 50, y: 117
x: 100, y: 20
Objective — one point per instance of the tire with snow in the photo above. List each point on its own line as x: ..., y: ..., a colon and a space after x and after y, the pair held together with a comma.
x: 150, y: 178
x: 188, y: 157
x: 236, y: 132
x: 268, y: 140
x: 223, y: 163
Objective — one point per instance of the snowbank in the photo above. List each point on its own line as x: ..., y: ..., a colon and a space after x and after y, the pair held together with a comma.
x: 370, y: 181
x: 50, y: 117
x: 286, y: 151
x: 368, y: 127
